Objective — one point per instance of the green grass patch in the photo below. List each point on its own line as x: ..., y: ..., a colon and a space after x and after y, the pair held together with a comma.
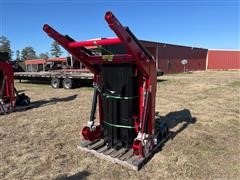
x: 86, y: 88
x: 165, y: 81
x: 27, y: 84
x: 235, y: 84
x: 235, y: 167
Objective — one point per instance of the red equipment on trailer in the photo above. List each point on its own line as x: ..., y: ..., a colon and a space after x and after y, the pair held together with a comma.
x: 125, y: 88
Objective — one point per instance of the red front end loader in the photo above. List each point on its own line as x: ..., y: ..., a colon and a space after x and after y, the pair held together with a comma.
x: 10, y: 100
x: 125, y: 90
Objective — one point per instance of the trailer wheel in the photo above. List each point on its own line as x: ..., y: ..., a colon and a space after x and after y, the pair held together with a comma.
x: 55, y: 83
x: 68, y: 83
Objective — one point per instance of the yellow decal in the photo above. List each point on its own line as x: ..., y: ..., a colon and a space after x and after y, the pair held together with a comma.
x: 107, y: 57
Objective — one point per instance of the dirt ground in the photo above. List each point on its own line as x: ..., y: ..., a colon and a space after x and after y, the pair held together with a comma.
x: 41, y: 143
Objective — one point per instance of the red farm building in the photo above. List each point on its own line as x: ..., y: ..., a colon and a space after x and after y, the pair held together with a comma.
x: 223, y: 59
x: 168, y: 57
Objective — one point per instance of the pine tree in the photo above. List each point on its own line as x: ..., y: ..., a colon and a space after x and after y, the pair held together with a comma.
x: 5, y: 46
x: 18, y: 58
x: 28, y: 53
x: 44, y: 55
x: 55, y: 49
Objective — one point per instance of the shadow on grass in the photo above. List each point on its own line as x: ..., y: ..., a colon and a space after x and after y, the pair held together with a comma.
x: 172, y: 119
x: 51, y: 101
x: 161, y: 80
x: 78, y: 176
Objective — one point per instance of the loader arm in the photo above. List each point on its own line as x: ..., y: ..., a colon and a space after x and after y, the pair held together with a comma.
x: 141, y: 55
x: 80, y: 54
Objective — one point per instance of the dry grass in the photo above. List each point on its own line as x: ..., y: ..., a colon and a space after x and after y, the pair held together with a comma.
x: 40, y: 143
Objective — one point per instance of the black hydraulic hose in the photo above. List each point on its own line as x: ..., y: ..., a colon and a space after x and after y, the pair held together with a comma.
x: 94, y: 105
x: 2, y: 91
x: 16, y: 92
x: 2, y: 107
x: 3, y: 87
x: 145, y: 113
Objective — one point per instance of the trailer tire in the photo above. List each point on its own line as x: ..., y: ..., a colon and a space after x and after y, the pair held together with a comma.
x: 68, y: 83
x: 55, y: 83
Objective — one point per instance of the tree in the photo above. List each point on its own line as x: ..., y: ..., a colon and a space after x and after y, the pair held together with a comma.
x: 55, y: 49
x: 44, y: 55
x: 28, y: 53
x: 5, y: 46
x: 18, y: 58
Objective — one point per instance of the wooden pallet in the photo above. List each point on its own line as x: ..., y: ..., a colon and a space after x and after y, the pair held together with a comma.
x: 122, y: 156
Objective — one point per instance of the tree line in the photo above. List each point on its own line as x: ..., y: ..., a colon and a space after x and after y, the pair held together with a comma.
x: 29, y: 52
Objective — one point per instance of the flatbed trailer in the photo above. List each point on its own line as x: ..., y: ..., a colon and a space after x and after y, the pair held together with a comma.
x: 67, y: 79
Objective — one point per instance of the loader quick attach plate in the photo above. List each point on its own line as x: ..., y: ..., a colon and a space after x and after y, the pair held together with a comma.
x: 122, y: 156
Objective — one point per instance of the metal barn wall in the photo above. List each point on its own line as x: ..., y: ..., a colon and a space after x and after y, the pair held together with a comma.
x: 223, y: 59
x: 169, y: 57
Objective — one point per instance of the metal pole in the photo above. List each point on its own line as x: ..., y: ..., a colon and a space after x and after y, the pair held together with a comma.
x: 71, y: 61
x: 95, y: 42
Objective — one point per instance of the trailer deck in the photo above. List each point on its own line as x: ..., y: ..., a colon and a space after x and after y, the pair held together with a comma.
x: 53, y: 74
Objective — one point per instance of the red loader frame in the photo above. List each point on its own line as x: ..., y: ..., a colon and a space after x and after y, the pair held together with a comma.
x: 145, y: 69
x: 7, y: 94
